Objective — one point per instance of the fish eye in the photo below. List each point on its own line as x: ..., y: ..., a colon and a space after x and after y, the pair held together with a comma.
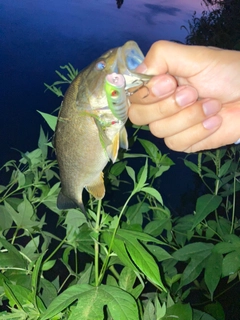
x: 100, y: 65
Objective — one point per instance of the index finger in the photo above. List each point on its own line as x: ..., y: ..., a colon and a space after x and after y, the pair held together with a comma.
x: 158, y: 88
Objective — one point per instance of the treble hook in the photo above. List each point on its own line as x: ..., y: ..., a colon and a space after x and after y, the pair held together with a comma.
x: 136, y: 90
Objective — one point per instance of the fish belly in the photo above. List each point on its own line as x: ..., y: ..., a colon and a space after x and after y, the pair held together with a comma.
x: 81, y: 158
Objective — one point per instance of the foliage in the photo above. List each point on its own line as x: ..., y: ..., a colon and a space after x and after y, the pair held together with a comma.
x: 131, y: 261
x: 219, y: 25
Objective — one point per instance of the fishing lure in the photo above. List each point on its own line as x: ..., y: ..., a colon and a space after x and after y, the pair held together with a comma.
x: 117, y: 97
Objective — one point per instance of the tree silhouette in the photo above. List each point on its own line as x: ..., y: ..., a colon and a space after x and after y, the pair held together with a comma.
x: 119, y: 3
x: 218, y: 26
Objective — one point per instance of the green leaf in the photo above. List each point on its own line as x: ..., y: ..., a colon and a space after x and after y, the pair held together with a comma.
x: 156, y: 227
x: 64, y: 300
x: 159, y: 253
x: 74, y: 219
x: 6, y: 219
x: 191, y: 165
x: 131, y: 173
x: 120, y: 249
x: 11, y: 258
x: 226, y: 247
x: 127, y: 279
x: 42, y: 143
x: 21, y: 179
x: 54, y: 189
x: 205, y: 205
x: 193, y: 250
x: 91, y: 301
x: 22, y: 297
x: 213, y: 271
x: 36, y: 275
x: 48, y: 265
x: 143, y: 178
x: 134, y: 213
x: 120, y: 304
x: 200, y: 315
x: 48, y: 291
x: 51, y: 120
x: 149, y: 311
x: 179, y: 312
x: 118, y: 167
x: 24, y: 217
x: 215, y: 310
x: 150, y: 148
x: 160, y: 310
x: 231, y: 263
x: 153, y: 192
x: 224, y: 168
x: 9, y: 292
x: 193, y: 269
x: 126, y: 243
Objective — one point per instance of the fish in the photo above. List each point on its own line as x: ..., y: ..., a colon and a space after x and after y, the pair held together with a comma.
x: 89, y: 130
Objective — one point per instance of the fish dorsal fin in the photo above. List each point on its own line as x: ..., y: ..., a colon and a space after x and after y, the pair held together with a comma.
x: 123, y: 138
x: 97, y: 188
x: 112, y: 150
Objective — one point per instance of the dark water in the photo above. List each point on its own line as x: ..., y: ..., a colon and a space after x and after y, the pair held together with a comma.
x: 37, y: 37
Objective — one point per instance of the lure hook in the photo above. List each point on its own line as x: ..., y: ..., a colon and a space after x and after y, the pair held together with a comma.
x: 128, y: 93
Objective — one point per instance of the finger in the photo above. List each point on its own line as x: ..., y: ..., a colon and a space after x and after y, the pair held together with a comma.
x: 141, y: 114
x: 187, y: 118
x: 158, y: 87
x: 174, y: 58
x: 228, y: 132
x: 194, y: 138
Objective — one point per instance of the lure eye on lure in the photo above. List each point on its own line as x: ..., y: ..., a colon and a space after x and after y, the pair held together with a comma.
x: 114, y: 94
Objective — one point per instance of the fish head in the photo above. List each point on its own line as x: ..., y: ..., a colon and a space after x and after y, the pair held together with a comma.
x: 122, y: 60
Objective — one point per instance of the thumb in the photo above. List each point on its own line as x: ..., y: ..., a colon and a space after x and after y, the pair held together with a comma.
x: 177, y: 59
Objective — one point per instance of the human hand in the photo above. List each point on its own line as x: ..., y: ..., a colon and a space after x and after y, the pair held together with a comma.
x: 188, y: 124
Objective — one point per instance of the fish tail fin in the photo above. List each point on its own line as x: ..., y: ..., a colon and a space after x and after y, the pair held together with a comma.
x: 65, y: 203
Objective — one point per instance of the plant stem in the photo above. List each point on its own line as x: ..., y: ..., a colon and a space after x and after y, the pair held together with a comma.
x: 105, y: 263
x: 234, y: 204
x: 56, y: 249
x: 96, y: 245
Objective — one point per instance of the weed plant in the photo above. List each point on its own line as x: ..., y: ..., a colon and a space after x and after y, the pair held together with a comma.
x: 131, y: 261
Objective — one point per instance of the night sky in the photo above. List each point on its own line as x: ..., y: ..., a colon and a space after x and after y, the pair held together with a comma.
x: 38, y: 36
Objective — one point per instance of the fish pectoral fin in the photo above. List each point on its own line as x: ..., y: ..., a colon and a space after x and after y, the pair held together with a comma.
x: 123, y: 138
x: 112, y: 150
x: 105, y: 141
x: 97, y: 188
x: 65, y: 203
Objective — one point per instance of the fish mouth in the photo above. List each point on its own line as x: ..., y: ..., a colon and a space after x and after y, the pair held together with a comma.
x: 129, y: 56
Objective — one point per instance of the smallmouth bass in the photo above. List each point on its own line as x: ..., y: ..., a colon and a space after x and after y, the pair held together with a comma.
x: 90, y: 127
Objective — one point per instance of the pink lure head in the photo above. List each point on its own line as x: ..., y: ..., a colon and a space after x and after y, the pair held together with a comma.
x: 116, y: 80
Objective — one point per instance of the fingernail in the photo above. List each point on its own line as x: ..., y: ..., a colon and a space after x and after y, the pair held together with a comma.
x: 186, y: 96
x: 211, y: 107
x: 163, y: 86
x: 212, y: 122
x: 142, y: 68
